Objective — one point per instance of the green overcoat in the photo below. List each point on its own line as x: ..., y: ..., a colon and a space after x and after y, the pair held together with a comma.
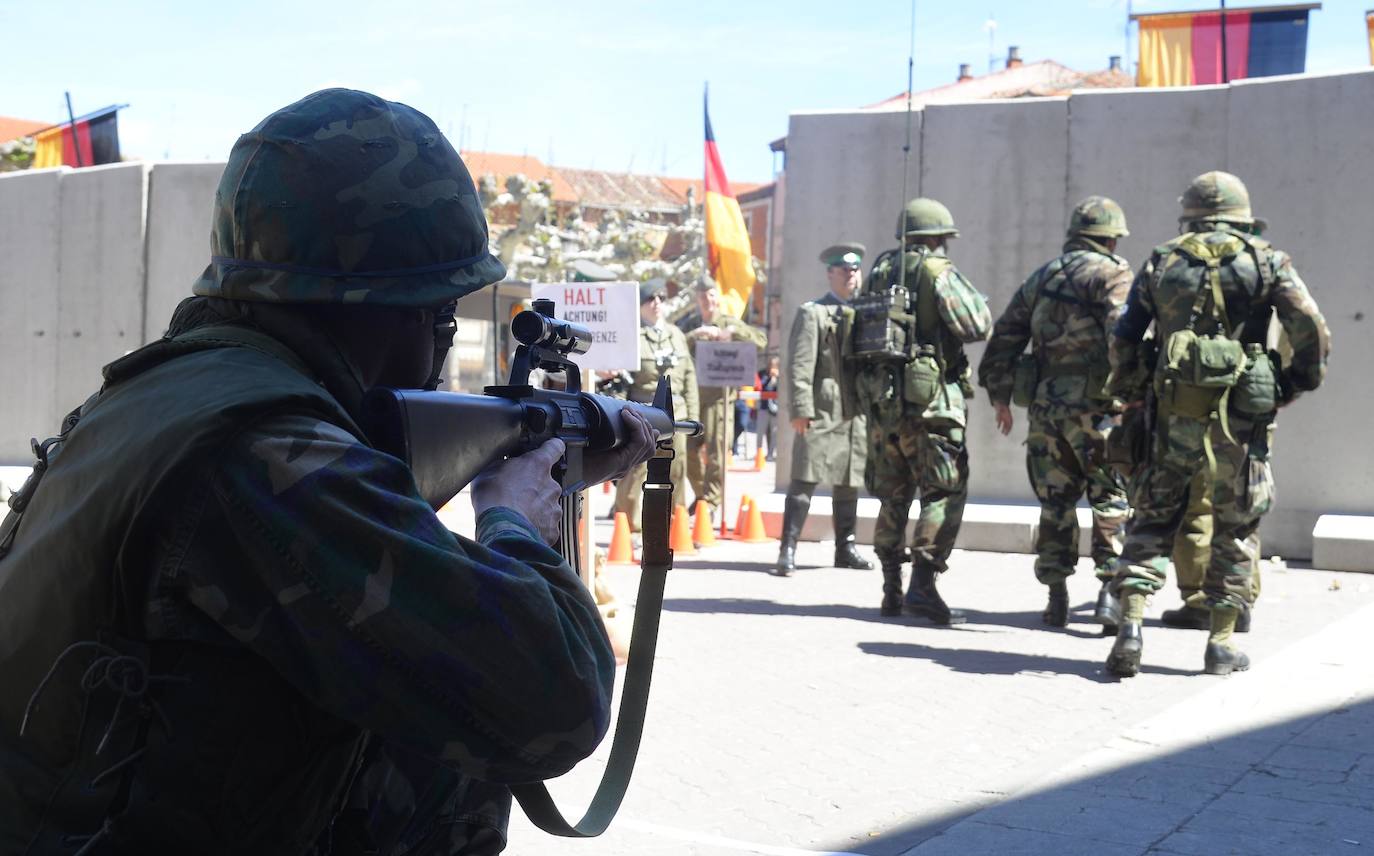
x: 833, y: 449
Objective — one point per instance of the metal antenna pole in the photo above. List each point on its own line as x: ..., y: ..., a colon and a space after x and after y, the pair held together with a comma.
x: 906, y: 147
x: 1225, y: 71
x: 76, y: 141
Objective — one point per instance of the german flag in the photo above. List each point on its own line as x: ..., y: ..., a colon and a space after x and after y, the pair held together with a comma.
x: 1369, y: 28
x: 727, y: 240
x: 90, y: 140
x: 1187, y: 48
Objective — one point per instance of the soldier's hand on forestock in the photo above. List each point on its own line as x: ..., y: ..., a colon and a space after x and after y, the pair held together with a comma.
x: 640, y: 445
x: 1004, y: 417
x: 525, y: 484
x: 801, y: 425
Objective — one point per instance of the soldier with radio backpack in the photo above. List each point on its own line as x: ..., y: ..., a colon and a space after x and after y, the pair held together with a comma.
x: 1210, y: 294
x: 907, y: 336
x: 1066, y: 310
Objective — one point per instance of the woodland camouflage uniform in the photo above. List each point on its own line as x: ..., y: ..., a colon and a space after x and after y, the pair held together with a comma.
x: 1065, y: 310
x: 1174, y: 291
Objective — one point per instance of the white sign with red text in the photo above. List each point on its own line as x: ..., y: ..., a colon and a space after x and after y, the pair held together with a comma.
x: 610, y: 310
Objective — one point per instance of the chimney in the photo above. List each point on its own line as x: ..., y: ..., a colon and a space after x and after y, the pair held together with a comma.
x: 1013, y: 56
x: 1113, y: 63
x: 965, y: 72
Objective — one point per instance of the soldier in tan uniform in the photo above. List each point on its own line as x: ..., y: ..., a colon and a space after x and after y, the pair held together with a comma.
x: 828, y: 448
x: 706, y: 453
x: 662, y: 351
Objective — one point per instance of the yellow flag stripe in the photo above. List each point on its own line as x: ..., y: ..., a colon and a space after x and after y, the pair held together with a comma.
x: 1166, y: 51
x: 730, y: 252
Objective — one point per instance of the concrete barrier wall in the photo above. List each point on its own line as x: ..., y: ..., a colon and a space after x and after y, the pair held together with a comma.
x: 180, y: 197
x: 1010, y: 171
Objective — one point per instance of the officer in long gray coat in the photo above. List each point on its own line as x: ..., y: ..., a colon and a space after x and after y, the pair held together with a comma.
x: 828, y: 448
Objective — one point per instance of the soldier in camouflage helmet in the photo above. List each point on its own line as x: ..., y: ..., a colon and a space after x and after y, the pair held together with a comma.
x: 917, y: 413
x: 1066, y: 310
x: 1210, y: 294
x: 231, y: 625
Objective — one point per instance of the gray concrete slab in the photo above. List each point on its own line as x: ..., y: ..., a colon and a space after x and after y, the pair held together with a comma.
x: 180, y: 198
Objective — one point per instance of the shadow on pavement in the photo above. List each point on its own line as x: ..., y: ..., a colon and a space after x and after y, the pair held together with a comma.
x: 758, y: 606
x: 1301, y: 786
x: 978, y: 661
x: 1083, y: 627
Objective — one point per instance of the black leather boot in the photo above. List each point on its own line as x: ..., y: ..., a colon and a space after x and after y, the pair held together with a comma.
x: 892, y: 590
x: 1221, y: 657
x: 794, y: 512
x: 1187, y: 617
x: 923, y: 599
x: 1124, y: 660
x: 1056, y: 612
x: 846, y: 516
x: 1108, y: 609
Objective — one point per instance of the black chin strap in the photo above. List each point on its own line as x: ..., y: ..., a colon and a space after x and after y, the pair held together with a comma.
x: 444, y: 328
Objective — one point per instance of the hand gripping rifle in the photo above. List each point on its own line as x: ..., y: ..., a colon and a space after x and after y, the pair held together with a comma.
x: 447, y: 438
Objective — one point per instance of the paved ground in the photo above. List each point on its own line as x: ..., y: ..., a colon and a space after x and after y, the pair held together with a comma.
x: 788, y: 718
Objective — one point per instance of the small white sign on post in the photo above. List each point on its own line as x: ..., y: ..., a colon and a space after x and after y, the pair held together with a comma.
x: 610, y: 310
x: 727, y: 363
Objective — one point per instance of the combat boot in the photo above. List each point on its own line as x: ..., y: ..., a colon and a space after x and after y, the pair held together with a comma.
x: 1124, y: 659
x: 793, y: 519
x: 1221, y: 657
x: 1187, y: 617
x: 1108, y: 609
x: 846, y: 516
x: 923, y: 599
x: 892, y: 590
x: 1056, y: 612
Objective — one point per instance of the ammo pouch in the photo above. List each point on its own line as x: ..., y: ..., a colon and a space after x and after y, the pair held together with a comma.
x: 922, y: 378
x: 1025, y: 377
x: 1257, y: 391
x: 1198, y: 370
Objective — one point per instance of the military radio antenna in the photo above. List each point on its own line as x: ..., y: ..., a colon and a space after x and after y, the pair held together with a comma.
x: 906, y: 149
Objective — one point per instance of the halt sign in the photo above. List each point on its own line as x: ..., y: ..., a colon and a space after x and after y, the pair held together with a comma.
x: 727, y: 363
x: 609, y: 309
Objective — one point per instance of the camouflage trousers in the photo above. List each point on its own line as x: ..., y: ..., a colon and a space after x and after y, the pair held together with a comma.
x: 1064, y: 457
x: 708, y: 455
x: 630, y: 490
x: 907, y: 455
x: 1241, y: 488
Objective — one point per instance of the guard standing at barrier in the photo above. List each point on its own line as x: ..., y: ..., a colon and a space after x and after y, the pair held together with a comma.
x: 829, y: 447
x: 708, y: 455
x: 1210, y: 294
x: 918, y: 313
x: 1066, y: 310
x: 662, y: 351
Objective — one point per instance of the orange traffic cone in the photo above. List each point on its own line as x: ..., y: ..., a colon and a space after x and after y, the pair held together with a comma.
x: 703, y: 535
x: 622, y: 548
x: 680, y: 537
x: 759, y: 460
x: 742, y: 518
x: 753, y: 527
x: 605, y: 487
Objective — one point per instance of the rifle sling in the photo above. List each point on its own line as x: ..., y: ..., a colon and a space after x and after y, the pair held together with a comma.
x: 657, y: 560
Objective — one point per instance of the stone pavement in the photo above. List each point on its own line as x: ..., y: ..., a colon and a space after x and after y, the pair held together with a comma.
x: 788, y: 718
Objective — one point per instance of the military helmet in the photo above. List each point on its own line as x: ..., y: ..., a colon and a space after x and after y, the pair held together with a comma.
x: 344, y: 197
x: 1216, y: 195
x: 923, y: 216
x: 1098, y: 217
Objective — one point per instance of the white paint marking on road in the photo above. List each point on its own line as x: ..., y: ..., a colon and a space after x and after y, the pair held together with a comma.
x: 723, y: 842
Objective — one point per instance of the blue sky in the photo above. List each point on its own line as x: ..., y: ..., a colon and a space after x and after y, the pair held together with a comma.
x: 609, y: 84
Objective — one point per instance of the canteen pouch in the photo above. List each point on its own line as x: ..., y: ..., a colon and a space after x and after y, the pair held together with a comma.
x: 1257, y: 390
x: 1198, y: 370
x: 922, y: 378
x: 1025, y: 377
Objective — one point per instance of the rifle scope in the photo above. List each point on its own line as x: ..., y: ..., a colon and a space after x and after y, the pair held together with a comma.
x: 539, y: 330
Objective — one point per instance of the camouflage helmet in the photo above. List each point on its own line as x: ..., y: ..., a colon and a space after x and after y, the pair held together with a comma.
x: 1098, y: 217
x: 1216, y: 195
x: 923, y: 216
x: 344, y: 197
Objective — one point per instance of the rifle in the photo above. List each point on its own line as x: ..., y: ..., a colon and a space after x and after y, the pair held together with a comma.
x: 447, y: 438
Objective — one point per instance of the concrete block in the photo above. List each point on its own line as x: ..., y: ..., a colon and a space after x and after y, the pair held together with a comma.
x: 100, y: 291
x: 1343, y: 542
x: 30, y: 259
x: 180, y: 199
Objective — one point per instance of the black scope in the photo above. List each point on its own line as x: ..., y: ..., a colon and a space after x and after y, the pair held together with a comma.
x: 538, y: 328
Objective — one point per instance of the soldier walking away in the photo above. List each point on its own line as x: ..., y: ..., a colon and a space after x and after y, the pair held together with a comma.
x: 233, y: 626
x: 828, y: 448
x: 1214, y: 391
x: 913, y: 385
x: 707, y: 455
x: 662, y: 351
x: 1066, y: 310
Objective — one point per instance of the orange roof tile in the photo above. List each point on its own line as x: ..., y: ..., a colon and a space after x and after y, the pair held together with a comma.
x: 503, y: 166
x: 13, y: 129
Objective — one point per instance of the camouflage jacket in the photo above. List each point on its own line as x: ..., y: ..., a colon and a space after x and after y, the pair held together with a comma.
x: 962, y: 317
x: 1256, y: 285
x: 663, y: 350
x: 217, y: 517
x: 1065, y: 310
